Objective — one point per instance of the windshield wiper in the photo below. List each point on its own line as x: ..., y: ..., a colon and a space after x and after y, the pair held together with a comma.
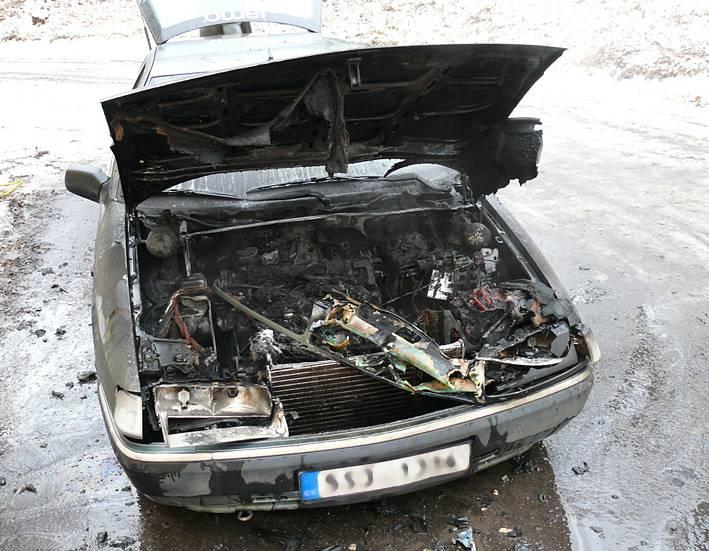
x: 318, y: 180
x: 289, y: 194
x: 195, y: 193
x: 292, y: 194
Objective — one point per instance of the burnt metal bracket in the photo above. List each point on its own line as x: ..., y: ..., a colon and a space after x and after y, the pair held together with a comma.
x: 353, y: 68
x: 459, y: 392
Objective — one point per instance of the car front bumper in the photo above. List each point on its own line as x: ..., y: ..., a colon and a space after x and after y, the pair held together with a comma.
x: 264, y: 475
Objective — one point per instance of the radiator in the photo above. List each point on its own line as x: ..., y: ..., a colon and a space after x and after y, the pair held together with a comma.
x: 325, y: 396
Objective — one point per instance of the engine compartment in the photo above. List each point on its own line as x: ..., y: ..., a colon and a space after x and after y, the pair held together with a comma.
x: 426, y: 310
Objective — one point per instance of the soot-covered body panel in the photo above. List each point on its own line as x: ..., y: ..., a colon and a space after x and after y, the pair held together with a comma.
x: 446, y: 104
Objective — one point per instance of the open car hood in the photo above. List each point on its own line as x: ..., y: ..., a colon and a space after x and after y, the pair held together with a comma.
x: 446, y: 105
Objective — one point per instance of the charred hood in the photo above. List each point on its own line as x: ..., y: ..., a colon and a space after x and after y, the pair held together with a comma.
x: 446, y: 105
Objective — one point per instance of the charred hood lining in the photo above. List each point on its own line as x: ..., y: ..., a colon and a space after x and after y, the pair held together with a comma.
x: 421, y: 104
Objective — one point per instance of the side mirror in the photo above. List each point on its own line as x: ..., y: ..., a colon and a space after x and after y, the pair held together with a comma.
x: 85, y: 181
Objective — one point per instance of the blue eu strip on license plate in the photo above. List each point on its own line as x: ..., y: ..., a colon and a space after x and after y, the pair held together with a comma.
x: 395, y: 473
x: 309, y: 485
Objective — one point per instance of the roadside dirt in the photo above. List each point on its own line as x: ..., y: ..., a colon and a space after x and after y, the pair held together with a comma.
x: 19, y: 250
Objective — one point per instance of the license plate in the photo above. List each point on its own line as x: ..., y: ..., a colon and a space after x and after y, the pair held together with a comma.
x: 384, y: 475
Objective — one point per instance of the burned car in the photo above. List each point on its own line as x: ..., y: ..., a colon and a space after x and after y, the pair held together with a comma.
x: 305, y: 291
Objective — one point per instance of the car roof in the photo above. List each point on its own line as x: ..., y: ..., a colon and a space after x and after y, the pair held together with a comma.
x: 167, y: 19
x: 189, y: 58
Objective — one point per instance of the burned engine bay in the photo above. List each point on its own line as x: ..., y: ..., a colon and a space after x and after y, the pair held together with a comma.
x: 338, y: 321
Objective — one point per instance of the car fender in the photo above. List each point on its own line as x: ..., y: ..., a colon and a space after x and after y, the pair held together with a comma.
x: 114, y: 343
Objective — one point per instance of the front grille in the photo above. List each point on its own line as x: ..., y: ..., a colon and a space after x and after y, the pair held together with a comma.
x: 323, y: 397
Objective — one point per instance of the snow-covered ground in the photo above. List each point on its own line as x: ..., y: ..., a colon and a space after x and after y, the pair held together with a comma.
x: 626, y: 38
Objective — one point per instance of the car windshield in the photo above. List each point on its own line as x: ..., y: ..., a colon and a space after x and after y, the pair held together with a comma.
x: 239, y: 184
x: 169, y: 18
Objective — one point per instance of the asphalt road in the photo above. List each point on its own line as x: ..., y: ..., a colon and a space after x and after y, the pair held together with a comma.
x: 621, y: 209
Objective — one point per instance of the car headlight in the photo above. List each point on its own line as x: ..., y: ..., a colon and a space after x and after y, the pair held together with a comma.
x: 128, y: 414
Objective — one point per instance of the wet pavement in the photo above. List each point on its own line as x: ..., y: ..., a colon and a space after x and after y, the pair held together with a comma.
x: 621, y: 209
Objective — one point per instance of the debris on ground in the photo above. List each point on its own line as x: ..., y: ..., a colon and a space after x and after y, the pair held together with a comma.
x: 122, y: 542
x: 417, y: 523
x: 57, y: 395
x: 7, y: 188
x: 69, y: 384
x: 522, y: 547
x: 385, y: 508
x: 3, y: 480
x: 596, y: 529
x: 289, y: 542
x: 102, y: 536
x: 333, y: 548
x: 521, y: 465
x: 28, y: 488
x: 464, y: 533
x: 60, y: 332
x: 581, y: 470
x: 510, y: 532
x: 485, y: 503
x: 86, y: 377
x: 47, y: 271
x: 39, y: 333
x: 678, y: 482
x: 25, y: 324
x: 505, y: 479
x: 43, y: 445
